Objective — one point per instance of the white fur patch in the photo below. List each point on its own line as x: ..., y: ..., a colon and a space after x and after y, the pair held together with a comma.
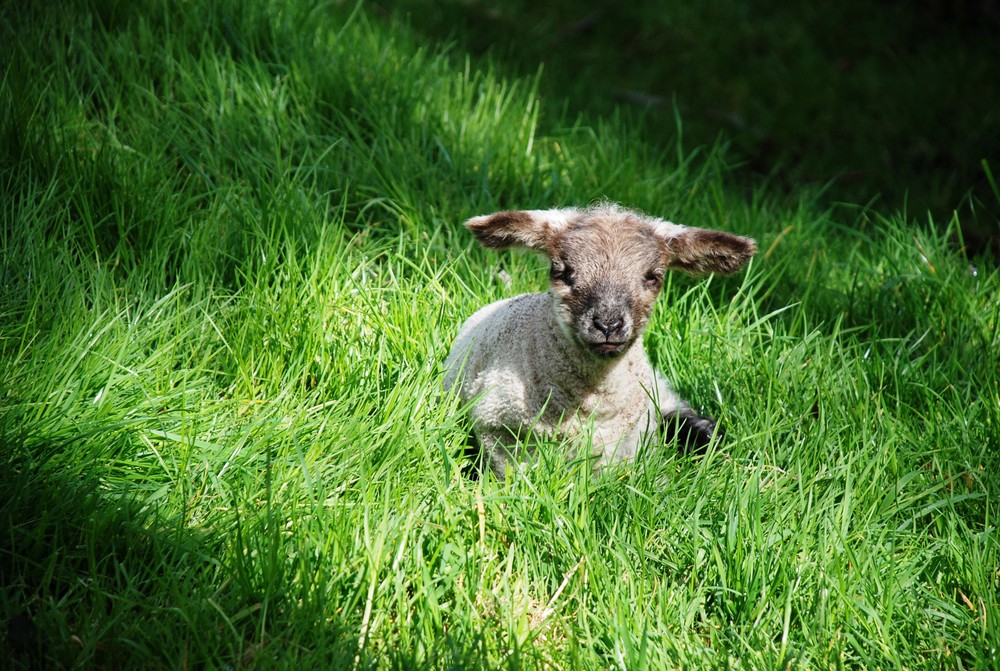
x: 666, y: 229
x: 556, y: 219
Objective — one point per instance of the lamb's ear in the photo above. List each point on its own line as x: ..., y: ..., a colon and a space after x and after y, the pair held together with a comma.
x: 701, y: 250
x: 534, y: 229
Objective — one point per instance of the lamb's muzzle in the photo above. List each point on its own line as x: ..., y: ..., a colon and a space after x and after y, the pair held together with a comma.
x: 571, y: 360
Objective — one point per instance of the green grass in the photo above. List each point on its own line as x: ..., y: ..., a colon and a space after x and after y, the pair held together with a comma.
x: 231, y: 265
x: 889, y: 103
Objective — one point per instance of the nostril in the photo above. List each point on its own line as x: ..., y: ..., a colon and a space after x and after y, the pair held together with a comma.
x: 607, y: 328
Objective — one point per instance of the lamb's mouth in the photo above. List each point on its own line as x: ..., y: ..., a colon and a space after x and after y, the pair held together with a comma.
x: 608, y: 349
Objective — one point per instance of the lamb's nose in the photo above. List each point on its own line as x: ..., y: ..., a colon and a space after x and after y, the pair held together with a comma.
x: 607, y: 328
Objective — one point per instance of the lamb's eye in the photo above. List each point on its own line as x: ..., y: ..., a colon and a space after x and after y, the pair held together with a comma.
x: 653, y: 279
x: 563, y: 272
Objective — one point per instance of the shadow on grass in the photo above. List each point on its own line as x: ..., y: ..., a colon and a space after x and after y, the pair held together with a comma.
x: 92, y: 579
x: 99, y: 581
x: 890, y: 102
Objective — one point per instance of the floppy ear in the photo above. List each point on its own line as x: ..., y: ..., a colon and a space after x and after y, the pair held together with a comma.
x: 702, y: 250
x: 534, y: 229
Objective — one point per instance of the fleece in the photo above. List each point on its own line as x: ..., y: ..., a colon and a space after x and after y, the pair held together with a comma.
x: 527, y: 377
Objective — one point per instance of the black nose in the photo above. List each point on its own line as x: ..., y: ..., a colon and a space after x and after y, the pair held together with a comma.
x: 607, y: 328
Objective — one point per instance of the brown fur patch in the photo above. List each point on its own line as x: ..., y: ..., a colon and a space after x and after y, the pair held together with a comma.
x: 511, y: 228
x: 699, y: 250
x: 607, y: 296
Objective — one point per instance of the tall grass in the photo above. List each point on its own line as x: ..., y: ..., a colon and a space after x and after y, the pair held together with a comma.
x: 231, y: 264
x: 888, y: 103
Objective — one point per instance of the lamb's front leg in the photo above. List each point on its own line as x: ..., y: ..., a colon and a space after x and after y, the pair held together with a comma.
x: 692, y: 431
x: 498, y: 449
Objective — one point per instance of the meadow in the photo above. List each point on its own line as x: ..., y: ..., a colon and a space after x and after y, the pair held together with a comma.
x: 891, y: 104
x: 231, y: 264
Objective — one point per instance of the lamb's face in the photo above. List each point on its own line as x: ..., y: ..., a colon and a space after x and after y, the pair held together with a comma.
x: 605, y: 276
x: 608, y: 264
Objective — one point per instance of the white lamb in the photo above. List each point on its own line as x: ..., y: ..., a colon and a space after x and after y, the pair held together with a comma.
x: 569, y: 364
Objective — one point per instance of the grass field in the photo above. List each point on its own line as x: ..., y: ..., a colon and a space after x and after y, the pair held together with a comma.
x: 231, y: 263
x: 891, y: 103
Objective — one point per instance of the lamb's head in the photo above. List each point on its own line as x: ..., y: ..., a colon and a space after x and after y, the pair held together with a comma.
x: 608, y: 264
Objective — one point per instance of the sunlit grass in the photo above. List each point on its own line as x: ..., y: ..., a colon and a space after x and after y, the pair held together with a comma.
x: 231, y: 265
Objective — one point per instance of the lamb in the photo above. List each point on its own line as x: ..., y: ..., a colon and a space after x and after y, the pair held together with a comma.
x: 569, y: 364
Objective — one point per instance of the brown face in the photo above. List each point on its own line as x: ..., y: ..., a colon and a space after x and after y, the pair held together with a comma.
x: 608, y: 264
x: 605, y: 276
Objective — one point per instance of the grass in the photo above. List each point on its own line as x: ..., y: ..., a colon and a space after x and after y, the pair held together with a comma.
x: 891, y: 104
x: 231, y: 266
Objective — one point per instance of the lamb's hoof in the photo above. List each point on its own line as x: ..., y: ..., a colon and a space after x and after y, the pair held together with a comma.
x: 693, y: 432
